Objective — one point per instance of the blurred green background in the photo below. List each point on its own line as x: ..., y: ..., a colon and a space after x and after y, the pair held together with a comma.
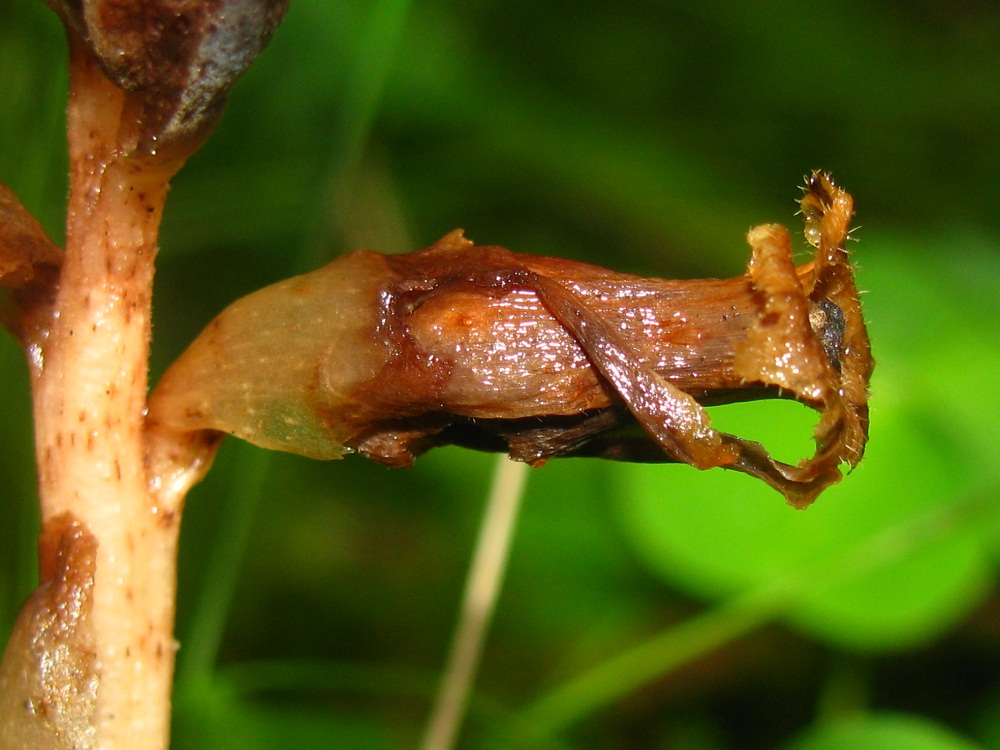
x: 652, y: 607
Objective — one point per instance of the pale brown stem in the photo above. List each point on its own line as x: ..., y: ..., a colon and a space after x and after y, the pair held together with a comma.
x: 482, y: 588
x: 89, y: 355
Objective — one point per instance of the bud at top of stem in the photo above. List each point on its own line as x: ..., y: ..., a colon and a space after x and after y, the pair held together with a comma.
x: 179, y: 58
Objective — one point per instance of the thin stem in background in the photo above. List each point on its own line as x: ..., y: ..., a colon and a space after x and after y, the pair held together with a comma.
x: 249, y: 679
x: 665, y: 652
x: 376, y: 52
x: 363, y: 93
x: 478, y: 604
x: 208, y: 623
x: 18, y: 496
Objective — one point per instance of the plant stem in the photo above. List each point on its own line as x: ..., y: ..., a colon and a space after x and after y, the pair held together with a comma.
x: 88, y: 356
x: 655, y: 657
x: 663, y: 653
x: 481, y: 590
x: 208, y: 621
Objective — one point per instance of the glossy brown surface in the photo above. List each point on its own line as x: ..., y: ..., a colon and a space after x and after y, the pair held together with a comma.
x: 48, y: 685
x: 25, y: 249
x: 177, y: 59
x: 539, y: 357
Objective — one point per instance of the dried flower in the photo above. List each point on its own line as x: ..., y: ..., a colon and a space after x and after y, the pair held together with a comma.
x: 389, y: 356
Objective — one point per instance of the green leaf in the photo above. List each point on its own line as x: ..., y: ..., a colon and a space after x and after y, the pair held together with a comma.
x: 881, y: 732
x: 918, y: 505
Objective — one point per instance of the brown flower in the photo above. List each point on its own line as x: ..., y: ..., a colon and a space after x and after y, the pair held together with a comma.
x: 540, y: 357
